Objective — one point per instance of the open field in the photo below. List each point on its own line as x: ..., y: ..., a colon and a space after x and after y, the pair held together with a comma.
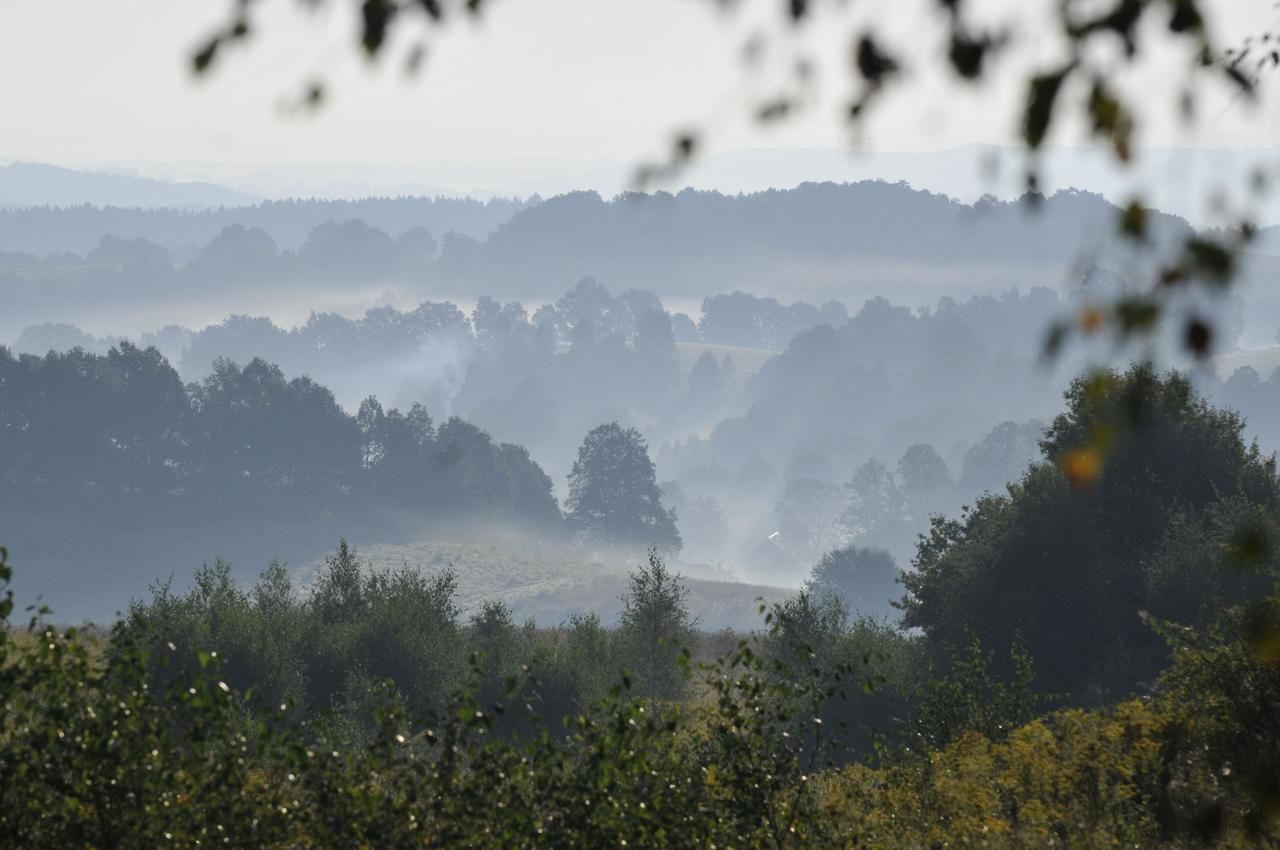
x: 1264, y: 361
x: 551, y: 583
x: 746, y: 361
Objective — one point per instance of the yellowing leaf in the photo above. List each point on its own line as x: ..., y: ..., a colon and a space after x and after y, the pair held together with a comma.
x: 1081, y: 466
x: 1091, y: 319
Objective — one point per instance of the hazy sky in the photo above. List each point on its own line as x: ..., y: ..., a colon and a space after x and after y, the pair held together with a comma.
x: 90, y: 82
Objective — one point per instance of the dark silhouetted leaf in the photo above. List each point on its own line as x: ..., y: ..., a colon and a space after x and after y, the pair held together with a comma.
x: 873, y: 63
x: 1133, y: 220
x: 1032, y: 196
x: 1186, y: 17
x: 1111, y: 120
x: 967, y: 54
x: 1210, y: 260
x: 685, y: 146
x: 204, y: 57
x: 375, y: 16
x: 1054, y: 339
x: 313, y: 97
x: 1173, y: 275
x: 413, y: 61
x: 1198, y: 336
x: 1092, y: 319
x: 1235, y: 75
x: 1121, y: 20
x: 1042, y: 94
x: 1187, y: 105
x: 774, y: 110
x: 1137, y: 315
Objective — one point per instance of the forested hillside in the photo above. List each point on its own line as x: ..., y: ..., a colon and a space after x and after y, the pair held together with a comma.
x: 112, y: 453
x: 366, y: 706
x: 39, y: 230
x: 778, y: 431
x: 815, y: 243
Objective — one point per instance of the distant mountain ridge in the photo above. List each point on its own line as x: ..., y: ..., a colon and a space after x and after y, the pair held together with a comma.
x: 816, y: 242
x: 32, y: 184
x: 42, y: 230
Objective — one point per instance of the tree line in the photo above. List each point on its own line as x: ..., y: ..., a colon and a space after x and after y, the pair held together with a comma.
x: 629, y: 242
x: 327, y: 340
x: 113, y: 432
x: 1093, y: 662
x: 118, y: 438
x: 32, y: 235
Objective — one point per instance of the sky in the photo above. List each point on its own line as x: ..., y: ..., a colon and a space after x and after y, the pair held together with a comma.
x: 538, y: 93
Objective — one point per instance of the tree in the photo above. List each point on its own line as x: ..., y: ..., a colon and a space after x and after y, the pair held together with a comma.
x: 238, y: 251
x: 733, y: 319
x: 655, y: 341
x: 1001, y: 456
x: 339, y: 594
x: 373, y: 423
x: 655, y: 629
x: 130, y: 254
x: 657, y: 372
x: 847, y: 681
x: 865, y: 580
x: 874, y: 498
x: 56, y: 336
x: 1227, y: 677
x: 631, y: 305
x: 586, y: 310
x: 968, y: 698
x: 349, y: 249
x: 924, y: 476
x: 236, y: 337
x: 922, y: 469
x: 493, y: 321
x: 808, y: 516
x: 707, y: 378
x: 494, y: 634
x: 684, y: 329
x: 614, y: 495
x: 247, y: 439
x: 1070, y: 562
x: 705, y: 526
x: 415, y: 249
x: 273, y: 595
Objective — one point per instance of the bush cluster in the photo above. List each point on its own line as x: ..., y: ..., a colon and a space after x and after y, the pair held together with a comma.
x: 119, y: 742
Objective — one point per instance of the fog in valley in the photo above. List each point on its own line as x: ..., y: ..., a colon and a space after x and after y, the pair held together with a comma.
x: 806, y: 369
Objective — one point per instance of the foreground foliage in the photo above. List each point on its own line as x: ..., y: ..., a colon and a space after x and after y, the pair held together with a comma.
x: 97, y: 750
